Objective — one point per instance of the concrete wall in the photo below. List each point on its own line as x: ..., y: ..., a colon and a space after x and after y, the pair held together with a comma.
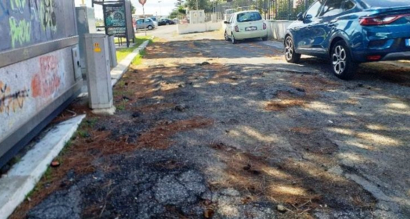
x: 277, y: 29
x: 197, y: 28
x: 28, y: 87
x: 38, y: 72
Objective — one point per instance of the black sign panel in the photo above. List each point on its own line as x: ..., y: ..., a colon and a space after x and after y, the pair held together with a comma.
x: 115, y: 22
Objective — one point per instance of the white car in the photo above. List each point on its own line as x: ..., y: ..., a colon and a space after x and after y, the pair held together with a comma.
x: 246, y: 25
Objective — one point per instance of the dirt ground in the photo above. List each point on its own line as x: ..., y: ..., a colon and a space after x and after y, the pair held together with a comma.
x: 206, y: 129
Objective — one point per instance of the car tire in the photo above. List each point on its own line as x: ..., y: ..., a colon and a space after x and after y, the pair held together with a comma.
x: 290, y: 54
x: 226, y: 36
x: 342, y: 64
x: 150, y: 27
x: 233, y: 40
x: 265, y: 38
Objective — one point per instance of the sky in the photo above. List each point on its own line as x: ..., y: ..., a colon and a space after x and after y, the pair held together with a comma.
x: 155, y: 7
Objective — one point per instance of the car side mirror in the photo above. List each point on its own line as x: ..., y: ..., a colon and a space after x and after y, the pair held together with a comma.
x: 300, y: 16
x: 227, y: 22
x: 308, y: 17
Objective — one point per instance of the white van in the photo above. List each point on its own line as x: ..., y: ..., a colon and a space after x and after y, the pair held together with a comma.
x: 246, y: 25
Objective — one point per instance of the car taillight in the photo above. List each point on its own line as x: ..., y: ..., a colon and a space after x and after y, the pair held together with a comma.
x: 264, y: 26
x: 374, y: 57
x: 236, y: 29
x: 373, y: 21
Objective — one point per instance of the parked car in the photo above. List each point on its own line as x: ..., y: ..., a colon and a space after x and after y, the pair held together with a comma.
x: 165, y: 22
x: 141, y: 24
x: 245, y: 25
x: 154, y: 19
x: 349, y: 32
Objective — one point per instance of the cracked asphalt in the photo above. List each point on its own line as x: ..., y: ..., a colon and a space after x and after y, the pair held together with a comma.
x: 207, y: 129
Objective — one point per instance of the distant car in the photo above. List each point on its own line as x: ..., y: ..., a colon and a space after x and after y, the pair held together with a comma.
x: 349, y: 32
x: 154, y: 19
x: 147, y: 24
x: 165, y: 22
x: 245, y: 25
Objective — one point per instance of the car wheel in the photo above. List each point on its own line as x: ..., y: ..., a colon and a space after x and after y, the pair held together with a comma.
x: 290, y: 54
x: 265, y: 38
x: 342, y: 65
x: 150, y: 27
x: 233, y: 40
x: 226, y: 36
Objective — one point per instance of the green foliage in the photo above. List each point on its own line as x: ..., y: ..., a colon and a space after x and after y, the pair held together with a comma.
x: 122, y: 53
x: 83, y: 133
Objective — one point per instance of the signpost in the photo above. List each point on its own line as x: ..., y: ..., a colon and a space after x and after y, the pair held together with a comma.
x: 117, y: 18
x: 142, y: 2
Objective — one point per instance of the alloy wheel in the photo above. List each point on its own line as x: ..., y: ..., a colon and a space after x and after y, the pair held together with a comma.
x: 339, y: 59
x: 289, y: 49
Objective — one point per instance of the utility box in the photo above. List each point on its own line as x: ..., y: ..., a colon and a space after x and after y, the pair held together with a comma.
x: 85, y: 24
x: 113, y: 51
x: 98, y: 71
x: 196, y: 16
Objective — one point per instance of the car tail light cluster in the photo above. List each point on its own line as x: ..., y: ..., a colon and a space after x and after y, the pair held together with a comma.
x: 373, y: 21
x: 264, y: 26
x: 236, y: 29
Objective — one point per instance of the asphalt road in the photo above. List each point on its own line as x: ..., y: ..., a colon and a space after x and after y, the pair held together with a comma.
x: 207, y: 129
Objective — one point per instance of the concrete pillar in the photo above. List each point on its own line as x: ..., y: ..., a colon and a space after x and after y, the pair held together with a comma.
x: 113, y: 51
x: 98, y: 73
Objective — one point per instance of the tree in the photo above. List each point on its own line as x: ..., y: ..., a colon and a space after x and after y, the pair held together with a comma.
x: 202, y: 4
x: 133, y: 9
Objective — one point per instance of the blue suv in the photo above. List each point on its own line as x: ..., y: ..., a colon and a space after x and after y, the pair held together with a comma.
x: 349, y: 32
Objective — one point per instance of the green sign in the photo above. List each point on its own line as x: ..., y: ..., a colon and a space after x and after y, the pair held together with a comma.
x: 115, y: 23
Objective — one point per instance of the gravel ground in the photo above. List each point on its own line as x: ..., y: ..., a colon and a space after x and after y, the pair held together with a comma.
x: 206, y: 129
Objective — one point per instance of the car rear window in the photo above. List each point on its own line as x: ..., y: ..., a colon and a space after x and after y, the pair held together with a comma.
x: 249, y: 16
x: 387, y: 3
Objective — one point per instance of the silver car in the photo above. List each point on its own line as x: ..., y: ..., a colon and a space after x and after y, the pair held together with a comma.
x: 144, y: 23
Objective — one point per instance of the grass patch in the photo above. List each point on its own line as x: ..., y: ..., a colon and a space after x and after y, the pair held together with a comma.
x: 121, y: 105
x: 138, y: 59
x: 122, y: 53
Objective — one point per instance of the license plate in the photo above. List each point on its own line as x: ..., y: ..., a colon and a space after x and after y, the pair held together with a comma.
x: 407, y: 42
x: 250, y: 28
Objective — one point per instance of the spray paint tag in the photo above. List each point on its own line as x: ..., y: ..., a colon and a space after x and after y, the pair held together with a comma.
x: 97, y: 47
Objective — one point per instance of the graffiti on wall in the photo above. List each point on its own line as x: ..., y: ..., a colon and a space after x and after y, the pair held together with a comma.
x: 20, y: 31
x: 25, y: 15
x: 11, y: 101
x: 48, y: 16
x: 48, y: 80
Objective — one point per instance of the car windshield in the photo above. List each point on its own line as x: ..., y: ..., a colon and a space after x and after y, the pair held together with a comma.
x: 387, y: 3
x: 249, y: 16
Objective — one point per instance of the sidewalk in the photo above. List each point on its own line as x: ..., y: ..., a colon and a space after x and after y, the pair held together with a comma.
x: 23, y: 176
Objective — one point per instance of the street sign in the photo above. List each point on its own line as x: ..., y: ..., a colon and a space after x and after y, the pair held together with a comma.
x: 142, y: 2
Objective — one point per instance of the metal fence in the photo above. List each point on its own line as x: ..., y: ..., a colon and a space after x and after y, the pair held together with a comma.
x: 270, y: 9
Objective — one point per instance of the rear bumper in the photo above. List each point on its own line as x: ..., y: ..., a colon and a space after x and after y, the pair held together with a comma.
x: 392, y: 56
x: 250, y: 34
x: 397, y: 56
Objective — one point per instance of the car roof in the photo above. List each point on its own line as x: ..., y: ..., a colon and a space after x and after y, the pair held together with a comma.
x: 239, y: 12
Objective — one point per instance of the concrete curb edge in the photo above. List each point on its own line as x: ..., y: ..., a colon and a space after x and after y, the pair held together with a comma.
x: 123, y: 66
x: 24, y: 175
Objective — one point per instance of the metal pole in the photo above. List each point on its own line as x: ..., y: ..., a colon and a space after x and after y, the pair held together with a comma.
x: 197, y: 5
x: 143, y: 14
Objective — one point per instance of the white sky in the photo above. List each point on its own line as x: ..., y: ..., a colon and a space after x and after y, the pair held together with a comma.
x: 155, y: 7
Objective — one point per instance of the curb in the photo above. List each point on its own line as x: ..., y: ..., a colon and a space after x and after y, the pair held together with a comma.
x: 123, y: 66
x: 24, y: 175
